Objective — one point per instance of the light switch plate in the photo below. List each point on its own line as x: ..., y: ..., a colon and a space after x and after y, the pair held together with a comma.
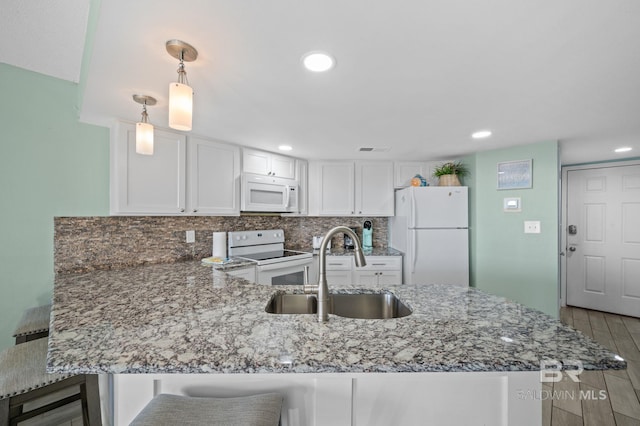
x: 191, y: 236
x: 531, y: 226
x: 512, y: 205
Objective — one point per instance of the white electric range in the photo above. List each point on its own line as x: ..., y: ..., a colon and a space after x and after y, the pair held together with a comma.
x: 274, y: 264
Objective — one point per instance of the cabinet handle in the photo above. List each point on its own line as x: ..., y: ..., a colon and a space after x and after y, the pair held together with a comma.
x: 379, y: 264
x: 360, y: 212
x: 195, y: 210
x: 181, y: 210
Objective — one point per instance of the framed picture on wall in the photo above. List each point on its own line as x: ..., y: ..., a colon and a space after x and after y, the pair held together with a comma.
x: 515, y: 174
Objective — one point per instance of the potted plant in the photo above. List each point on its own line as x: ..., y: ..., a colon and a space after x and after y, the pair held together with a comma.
x: 448, y: 174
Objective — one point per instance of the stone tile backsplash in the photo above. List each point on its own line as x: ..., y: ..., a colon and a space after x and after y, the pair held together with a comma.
x: 113, y: 242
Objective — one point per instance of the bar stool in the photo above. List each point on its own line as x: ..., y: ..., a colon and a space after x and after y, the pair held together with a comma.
x: 34, y: 324
x: 23, y: 379
x: 170, y: 410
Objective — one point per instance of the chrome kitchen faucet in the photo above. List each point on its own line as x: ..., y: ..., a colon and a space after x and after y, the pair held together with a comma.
x: 322, y: 288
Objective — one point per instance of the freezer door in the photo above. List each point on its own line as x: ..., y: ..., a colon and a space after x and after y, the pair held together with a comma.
x: 438, y: 256
x: 439, y: 207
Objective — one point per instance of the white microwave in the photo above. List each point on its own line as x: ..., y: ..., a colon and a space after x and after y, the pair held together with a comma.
x: 268, y: 194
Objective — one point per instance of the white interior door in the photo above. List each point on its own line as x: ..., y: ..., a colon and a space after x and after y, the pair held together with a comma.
x: 603, y: 239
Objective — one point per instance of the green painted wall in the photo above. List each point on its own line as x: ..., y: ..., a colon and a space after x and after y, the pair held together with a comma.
x: 504, y: 260
x: 50, y: 165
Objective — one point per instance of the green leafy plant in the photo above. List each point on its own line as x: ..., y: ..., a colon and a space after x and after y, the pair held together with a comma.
x: 451, y: 168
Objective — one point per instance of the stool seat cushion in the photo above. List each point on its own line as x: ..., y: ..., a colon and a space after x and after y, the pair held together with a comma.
x: 254, y: 410
x: 34, y: 320
x: 23, y: 368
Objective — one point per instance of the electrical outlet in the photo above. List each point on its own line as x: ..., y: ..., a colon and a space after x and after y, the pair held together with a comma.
x: 531, y: 226
x: 191, y: 236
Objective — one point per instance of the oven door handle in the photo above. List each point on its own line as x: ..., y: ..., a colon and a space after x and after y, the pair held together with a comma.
x: 286, y: 264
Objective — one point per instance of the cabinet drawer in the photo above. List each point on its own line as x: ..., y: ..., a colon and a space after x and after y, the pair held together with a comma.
x: 383, y: 263
x: 339, y: 263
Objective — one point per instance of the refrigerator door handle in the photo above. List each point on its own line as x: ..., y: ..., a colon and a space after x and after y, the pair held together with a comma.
x: 413, y: 251
x: 412, y: 216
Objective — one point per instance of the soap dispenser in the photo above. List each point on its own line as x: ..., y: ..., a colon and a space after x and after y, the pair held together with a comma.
x: 367, y: 235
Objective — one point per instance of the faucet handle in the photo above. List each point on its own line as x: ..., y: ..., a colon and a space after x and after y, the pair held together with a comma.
x: 305, y: 276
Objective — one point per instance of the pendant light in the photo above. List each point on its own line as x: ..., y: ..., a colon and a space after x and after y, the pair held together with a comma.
x: 180, y: 94
x: 144, y: 129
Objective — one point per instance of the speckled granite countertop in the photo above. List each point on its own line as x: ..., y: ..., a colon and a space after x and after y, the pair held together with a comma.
x: 388, y: 251
x: 190, y: 318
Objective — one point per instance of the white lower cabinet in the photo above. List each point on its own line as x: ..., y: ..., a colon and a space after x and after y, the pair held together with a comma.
x: 379, y: 270
x: 372, y: 399
x: 248, y: 274
x: 338, y: 270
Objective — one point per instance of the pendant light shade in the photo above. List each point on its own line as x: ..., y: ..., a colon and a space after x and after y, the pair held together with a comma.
x: 144, y: 129
x: 180, y: 94
x: 180, y: 106
x: 144, y: 138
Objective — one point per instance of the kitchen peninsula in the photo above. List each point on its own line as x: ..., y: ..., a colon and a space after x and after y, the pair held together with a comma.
x: 462, y: 346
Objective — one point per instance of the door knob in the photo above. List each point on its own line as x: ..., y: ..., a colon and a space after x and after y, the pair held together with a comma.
x: 572, y: 249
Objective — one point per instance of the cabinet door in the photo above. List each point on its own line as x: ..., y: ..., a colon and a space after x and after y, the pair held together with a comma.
x: 248, y: 274
x: 214, y: 177
x: 406, y: 170
x: 302, y: 169
x: 339, y: 278
x: 336, y: 191
x: 258, y: 162
x: 374, y: 188
x: 389, y: 277
x: 150, y: 184
x: 365, y: 277
x: 284, y: 167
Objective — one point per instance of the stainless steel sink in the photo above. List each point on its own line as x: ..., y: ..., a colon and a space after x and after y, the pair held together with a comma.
x: 292, y: 304
x: 383, y: 305
x: 368, y: 306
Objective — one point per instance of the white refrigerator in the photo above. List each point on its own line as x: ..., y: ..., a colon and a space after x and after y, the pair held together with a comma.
x: 431, y: 228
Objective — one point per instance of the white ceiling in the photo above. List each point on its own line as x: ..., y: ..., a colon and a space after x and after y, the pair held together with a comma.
x: 44, y: 36
x: 416, y: 77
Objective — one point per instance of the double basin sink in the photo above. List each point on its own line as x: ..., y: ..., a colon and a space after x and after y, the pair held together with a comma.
x: 368, y: 305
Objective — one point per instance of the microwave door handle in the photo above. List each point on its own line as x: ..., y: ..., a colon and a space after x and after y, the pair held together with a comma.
x: 287, y: 197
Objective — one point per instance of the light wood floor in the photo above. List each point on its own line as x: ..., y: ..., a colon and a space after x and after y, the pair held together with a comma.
x: 612, y: 396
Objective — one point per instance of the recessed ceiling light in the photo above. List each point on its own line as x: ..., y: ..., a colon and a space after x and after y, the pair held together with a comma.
x: 623, y: 149
x: 481, y: 134
x: 285, y: 148
x: 318, y: 61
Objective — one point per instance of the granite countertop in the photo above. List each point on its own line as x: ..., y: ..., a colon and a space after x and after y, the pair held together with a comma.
x: 191, y: 318
x: 339, y: 251
x: 233, y: 264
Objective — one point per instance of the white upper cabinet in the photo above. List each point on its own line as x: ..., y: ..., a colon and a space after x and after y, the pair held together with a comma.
x: 351, y: 188
x: 336, y: 189
x: 406, y: 170
x: 268, y: 164
x: 374, y: 188
x: 214, y: 177
x: 169, y: 182
x: 147, y: 184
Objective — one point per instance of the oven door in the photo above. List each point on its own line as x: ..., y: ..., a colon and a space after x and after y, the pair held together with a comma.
x: 290, y: 272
